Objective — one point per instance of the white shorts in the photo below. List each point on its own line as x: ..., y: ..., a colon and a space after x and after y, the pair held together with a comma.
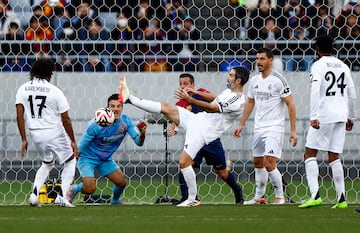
x: 195, y: 137
x: 330, y: 137
x: 267, y: 143
x: 49, y: 141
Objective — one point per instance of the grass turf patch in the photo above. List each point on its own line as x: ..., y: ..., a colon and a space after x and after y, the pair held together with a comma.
x: 167, y: 218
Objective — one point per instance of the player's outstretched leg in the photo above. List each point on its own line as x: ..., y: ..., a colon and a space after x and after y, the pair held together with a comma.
x: 169, y: 110
x: 146, y: 105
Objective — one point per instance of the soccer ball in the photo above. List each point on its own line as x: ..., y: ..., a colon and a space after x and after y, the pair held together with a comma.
x: 104, y: 117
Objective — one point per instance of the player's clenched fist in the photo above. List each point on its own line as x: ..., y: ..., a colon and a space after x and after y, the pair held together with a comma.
x: 141, y: 125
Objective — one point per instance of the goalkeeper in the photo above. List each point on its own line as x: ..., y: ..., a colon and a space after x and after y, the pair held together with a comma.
x: 213, y: 153
x: 96, y: 148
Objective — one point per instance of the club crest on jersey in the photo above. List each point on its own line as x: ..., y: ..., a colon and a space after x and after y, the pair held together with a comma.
x: 270, y: 86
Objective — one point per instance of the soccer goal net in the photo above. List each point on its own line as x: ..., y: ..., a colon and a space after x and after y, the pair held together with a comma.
x: 152, y: 43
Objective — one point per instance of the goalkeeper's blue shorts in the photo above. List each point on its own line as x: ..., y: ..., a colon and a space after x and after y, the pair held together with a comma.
x: 87, y: 167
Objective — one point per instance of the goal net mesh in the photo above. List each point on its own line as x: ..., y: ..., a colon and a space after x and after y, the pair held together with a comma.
x: 152, y: 43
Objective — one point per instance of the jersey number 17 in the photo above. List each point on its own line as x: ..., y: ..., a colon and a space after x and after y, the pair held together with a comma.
x: 40, y: 106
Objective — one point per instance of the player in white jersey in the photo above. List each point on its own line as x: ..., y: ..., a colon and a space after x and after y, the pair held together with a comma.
x: 332, y: 112
x: 201, y: 128
x: 44, y: 109
x: 268, y: 92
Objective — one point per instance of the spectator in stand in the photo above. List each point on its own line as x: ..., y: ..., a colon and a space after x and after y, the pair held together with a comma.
x: 346, y: 10
x: 258, y: 19
x: 187, y: 52
x: 322, y: 19
x: 39, y: 30
x: 171, y: 23
x: 161, y: 7
x: 299, y: 57
x: 181, y: 10
x: 138, y: 23
x: 61, y: 24
x: 155, y: 59
x: 345, y: 21
x: 241, y: 11
x: 296, y: 56
x: 15, y: 53
x: 6, y: 17
x: 270, y: 33
x: 49, y: 5
x: 350, y: 32
x: 95, y: 57
x: 143, y: 13
x: 294, y: 16
x: 122, y: 53
x: 85, y: 13
x: 37, y: 11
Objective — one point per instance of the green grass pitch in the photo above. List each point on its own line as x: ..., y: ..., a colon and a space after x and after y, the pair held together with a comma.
x: 168, y: 218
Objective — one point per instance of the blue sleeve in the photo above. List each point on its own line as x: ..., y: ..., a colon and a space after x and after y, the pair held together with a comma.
x: 88, y: 136
x: 133, y: 131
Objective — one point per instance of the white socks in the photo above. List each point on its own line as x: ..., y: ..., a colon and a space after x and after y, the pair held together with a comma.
x: 190, y: 179
x: 312, y: 173
x: 338, y: 177
x: 41, y: 176
x: 261, y: 179
x: 276, y: 180
x: 146, y: 105
x: 67, y: 175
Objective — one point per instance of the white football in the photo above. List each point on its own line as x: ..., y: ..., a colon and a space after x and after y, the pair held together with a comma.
x: 104, y: 117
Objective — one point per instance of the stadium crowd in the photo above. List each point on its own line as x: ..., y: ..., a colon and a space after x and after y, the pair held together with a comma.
x: 163, y: 35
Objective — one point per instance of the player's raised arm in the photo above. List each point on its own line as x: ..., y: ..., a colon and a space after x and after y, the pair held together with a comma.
x: 208, y: 107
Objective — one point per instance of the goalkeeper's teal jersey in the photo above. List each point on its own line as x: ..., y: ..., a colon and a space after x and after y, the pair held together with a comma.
x: 101, y: 142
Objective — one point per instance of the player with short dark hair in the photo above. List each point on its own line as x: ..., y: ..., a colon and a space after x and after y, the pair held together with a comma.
x: 97, y: 146
x: 201, y: 128
x: 213, y: 153
x: 44, y: 109
x: 268, y: 92
x: 332, y: 112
